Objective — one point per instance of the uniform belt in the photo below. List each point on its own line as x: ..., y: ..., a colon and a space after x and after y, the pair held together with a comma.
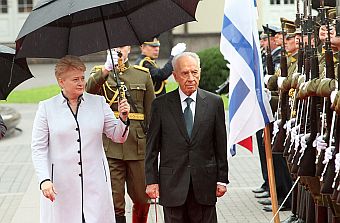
x: 132, y: 116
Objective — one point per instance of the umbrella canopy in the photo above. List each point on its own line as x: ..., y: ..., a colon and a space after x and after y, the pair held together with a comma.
x: 12, y: 71
x: 57, y: 28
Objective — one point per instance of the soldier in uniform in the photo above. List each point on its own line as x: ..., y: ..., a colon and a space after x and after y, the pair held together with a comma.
x: 3, y: 128
x: 126, y: 161
x: 147, y: 59
x: 263, y: 190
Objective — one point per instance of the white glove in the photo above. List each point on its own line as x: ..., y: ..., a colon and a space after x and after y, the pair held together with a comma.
x: 179, y: 48
x: 303, y: 141
x: 337, y: 162
x: 297, y: 141
x: 328, y: 154
x: 289, y: 124
x: 275, y: 129
x: 333, y: 95
x: 293, y: 132
x: 108, y: 64
x: 276, y: 126
x: 314, y: 142
x: 320, y: 144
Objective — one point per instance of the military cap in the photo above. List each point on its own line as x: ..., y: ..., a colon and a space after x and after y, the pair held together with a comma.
x: 286, y: 21
x: 263, y: 35
x: 289, y: 27
x: 272, y: 30
x: 152, y: 42
x: 331, y: 13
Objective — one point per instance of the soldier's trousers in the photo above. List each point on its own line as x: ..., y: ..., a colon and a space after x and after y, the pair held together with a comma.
x: 132, y: 173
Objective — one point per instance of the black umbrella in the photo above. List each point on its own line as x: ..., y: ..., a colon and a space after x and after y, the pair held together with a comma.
x: 12, y: 71
x: 57, y: 28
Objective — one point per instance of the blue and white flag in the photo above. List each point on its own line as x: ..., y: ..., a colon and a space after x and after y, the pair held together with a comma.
x: 249, y: 109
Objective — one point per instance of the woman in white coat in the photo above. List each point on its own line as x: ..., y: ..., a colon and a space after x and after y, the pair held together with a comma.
x: 67, y: 149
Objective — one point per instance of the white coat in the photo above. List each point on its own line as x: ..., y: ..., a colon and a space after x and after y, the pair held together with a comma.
x: 68, y: 150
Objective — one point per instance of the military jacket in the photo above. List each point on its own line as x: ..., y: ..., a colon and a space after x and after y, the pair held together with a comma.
x: 158, y: 75
x: 139, y: 84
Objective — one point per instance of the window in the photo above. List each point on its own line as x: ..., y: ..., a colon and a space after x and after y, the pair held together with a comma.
x: 278, y: 2
x: 25, y: 5
x: 3, y: 6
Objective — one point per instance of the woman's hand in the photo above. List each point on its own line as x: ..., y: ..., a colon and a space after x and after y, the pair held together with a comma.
x: 124, y: 109
x: 48, y: 190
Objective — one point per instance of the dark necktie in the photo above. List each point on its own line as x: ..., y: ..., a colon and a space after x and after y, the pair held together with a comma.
x: 188, y: 116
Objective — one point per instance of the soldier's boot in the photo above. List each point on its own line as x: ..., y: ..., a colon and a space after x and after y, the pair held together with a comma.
x: 303, y: 204
x: 140, y: 213
x: 120, y: 219
x: 310, y: 207
x: 330, y: 215
x: 295, y: 201
x: 321, y: 213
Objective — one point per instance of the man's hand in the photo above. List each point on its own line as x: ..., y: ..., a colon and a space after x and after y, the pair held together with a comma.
x: 124, y: 109
x: 48, y: 190
x: 152, y: 191
x: 220, y: 190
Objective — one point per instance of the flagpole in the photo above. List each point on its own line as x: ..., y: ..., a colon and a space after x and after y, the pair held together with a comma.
x: 271, y: 175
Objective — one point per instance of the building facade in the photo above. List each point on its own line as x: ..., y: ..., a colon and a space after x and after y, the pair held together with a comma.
x: 13, y: 14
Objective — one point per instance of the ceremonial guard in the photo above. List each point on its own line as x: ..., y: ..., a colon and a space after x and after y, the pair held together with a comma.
x: 147, y: 59
x: 126, y: 161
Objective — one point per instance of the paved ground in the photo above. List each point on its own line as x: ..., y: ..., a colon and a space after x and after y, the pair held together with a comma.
x: 19, y: 194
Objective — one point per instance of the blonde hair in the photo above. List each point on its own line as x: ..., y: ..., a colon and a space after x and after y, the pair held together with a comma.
x: 68, y: 62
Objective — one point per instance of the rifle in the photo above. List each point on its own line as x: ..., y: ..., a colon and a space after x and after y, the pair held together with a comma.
x: 307, y: 164
x: 329, y: 169
x: 269, y: 58
x: 278, y: 145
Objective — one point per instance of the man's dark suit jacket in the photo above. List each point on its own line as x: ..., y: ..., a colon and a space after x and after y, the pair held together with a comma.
x: 202, y: 157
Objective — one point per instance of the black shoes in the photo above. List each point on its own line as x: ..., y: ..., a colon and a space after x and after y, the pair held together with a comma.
x: 259, y: 190
x: 265, y: 202
x: 263, y: 195
x: 291, y: 219
x: 269, y: 208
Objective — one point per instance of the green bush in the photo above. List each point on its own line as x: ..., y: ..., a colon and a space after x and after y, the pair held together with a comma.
x: 214, y: 70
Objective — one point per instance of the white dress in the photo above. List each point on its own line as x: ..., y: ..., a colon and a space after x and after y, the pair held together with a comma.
x: 68, y: 149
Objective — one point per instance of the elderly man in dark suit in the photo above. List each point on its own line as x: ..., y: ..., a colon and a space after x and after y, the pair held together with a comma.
x: 187, y: 128
x: 3, y: 128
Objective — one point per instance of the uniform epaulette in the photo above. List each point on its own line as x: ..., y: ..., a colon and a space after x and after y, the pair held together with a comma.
x: 141, y: 68
x: 98, y: 67
x: 148, y: 59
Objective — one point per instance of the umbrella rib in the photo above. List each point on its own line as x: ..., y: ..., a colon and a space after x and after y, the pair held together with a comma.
x: 127, y: 18
x: 69, y: 31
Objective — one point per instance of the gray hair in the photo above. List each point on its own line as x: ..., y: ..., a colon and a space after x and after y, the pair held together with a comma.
x: 186, y: 54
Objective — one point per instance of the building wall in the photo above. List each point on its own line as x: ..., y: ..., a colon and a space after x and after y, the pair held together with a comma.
x: 209, y: 15
x: 270, y: 11
x: 11, y: 20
